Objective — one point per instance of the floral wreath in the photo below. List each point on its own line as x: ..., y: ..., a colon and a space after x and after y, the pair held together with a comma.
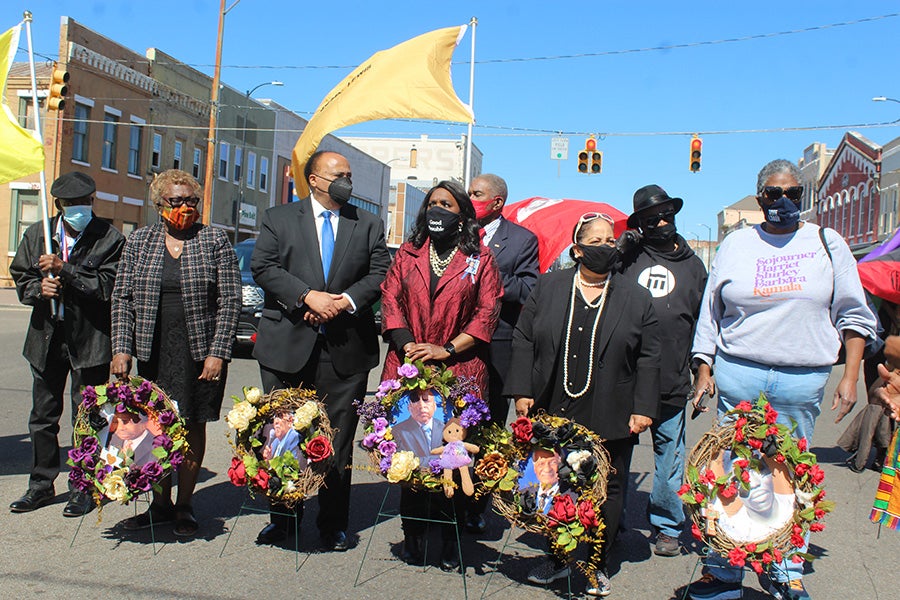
x: 574, y: 516
x: 109, y: 472
x: 378, y: 417
x: 750, y: 431
x: 282, y: 478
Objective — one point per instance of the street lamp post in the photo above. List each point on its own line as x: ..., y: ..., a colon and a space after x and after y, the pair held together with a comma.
x: 237, y: 208
x: 708, y: 242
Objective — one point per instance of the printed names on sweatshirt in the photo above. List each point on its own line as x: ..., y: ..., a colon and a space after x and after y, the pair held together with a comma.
x: 779, y: 274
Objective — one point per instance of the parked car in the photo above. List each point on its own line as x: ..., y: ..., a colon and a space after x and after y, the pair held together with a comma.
x: 252, y: 305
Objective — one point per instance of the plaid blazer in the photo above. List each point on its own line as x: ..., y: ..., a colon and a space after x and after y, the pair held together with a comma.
x: 211, y: 289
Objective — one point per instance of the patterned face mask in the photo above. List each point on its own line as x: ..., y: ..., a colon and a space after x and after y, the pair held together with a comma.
x: 181, y: 217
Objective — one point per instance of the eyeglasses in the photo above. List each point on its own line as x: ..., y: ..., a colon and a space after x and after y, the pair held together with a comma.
x: 773, y: 192
x: 424, y: 398
x: 667, y: 215
x: 587, y: 218
x: 177, y: 201
x: 339, y: 175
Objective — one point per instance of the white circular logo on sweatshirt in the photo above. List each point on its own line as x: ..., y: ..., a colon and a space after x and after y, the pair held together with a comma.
x: 658, y: 279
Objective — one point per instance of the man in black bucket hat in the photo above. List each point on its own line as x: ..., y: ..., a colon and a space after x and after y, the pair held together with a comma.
x: 74, y: 341
x: 661, y: 261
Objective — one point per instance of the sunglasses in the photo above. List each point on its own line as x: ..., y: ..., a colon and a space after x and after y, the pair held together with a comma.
x: 177, y: 201
x: 774, y: 192
x: 667, y: 215
x: 426, y: 398
x: 587, y: 218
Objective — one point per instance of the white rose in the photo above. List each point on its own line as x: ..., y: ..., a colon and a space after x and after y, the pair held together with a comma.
x: 252, y: 395
x: 303, y: 417
x: 239, y: 417
x: 115, y: 487
x: 576, y: 458
x: 403, y: 463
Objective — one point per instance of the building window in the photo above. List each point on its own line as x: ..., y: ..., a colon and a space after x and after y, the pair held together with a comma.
x: 238, y: 163
x: 156, y: 156
x: 179, y: 147
x: 134, y: 149
x: 251, y: 169
x: 24, y: 210
x: 198, y: 158
x: 263, y: 173
x: 26, y: 111
x: 224, y: 151
x: 80, y: 132
x: 110, y: 126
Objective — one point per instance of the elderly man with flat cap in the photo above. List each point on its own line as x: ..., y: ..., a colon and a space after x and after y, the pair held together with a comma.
x: 72, y: 342
x: 661, y: 261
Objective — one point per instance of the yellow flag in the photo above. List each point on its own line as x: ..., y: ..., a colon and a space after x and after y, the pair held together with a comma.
x: 409, y: 81
x: 21, y: 153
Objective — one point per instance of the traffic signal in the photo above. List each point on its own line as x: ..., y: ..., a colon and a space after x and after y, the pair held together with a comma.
x: 58, y: 90
x: 696, y: 153
x: 590, y: 160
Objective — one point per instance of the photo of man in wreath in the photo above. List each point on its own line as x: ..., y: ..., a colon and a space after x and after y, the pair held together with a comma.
x: 281, y: 437
x: 129, y: 432
x: 422, y: 431
x: 541, y: 476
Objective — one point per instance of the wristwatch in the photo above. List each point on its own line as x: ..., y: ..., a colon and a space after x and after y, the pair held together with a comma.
x: 451, y: 350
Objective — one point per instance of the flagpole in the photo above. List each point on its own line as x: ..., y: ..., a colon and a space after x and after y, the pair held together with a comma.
x: 468, y: 175
x: 45, y: 207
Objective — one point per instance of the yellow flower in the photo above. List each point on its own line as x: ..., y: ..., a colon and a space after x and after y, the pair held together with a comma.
x: 303, y: 416
x: 387, y: 434
x: 252, y: 394
x: 460, y: 403
x: 403, y: 463
x: 239, y: 417
x: 115, y: 487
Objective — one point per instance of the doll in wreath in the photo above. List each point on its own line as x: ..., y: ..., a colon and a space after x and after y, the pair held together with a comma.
x: 455, y: 455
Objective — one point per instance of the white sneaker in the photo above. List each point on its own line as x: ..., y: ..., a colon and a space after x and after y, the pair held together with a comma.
x: 602, y: 588
x: 548, y: 571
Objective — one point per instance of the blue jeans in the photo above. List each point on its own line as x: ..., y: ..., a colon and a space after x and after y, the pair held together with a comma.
x: 665, y: 509
x: 796, y: 393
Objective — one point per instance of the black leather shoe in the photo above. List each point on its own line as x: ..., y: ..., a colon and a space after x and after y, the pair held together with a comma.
x: 449, y: 556
x: 79, y: 504
x: 33, y: 500
x: 274, y: 533
x: 412, y: 550
x: 335, y: 541
x: 475, y: 524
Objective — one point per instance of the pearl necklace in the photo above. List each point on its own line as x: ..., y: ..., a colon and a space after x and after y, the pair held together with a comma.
x: 583, y: 283
x: 601, y: 301
x: 438, y: 265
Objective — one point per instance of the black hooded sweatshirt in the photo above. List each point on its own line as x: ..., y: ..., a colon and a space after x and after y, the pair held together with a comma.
x: 676, y: 280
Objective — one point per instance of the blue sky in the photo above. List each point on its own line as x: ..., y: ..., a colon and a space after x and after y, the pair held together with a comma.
x: 816, y: 78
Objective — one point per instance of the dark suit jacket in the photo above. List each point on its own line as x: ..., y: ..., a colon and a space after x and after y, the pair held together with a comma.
x: 408, y: 435
x: 287, y: 261
x: 87, y: 284
x: 143, y: 452
x: 626, y: 372
x: 515, y: 251
x: 210, y: 287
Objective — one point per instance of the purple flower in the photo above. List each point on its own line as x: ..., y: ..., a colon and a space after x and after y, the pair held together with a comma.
x: 387, y: 385
x: 370, y: 440
x: 143, y: 392
x: 89, y: 397
x: 385, y: 464
x: 387, y: 447
x: 435, y: 465
x: 120, y: 407
x: 76, y: 455
x: 379, y: 395
x: 102, y: 473
x: 78, y: 480
x: 162, y: 441
x: 176, y: 459
x: 143, y: 483
x: 379, y: 425
x: 89, y: 445
x: 475, y: 412
x: 88, y: 462
x: 152, y: 469
x: 166, y: 418
x: 408, y: 371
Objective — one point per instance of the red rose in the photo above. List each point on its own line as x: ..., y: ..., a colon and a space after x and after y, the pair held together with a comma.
x: 751, y: 547
x: 739, y: 424
x: 816, y: 474
x: 797, y: 559
x: 699, y: 498
x: 777, y: 554
x: 739, y: 435
x: 236, y: 472
x: 819, y: 513
x: 780, y: 458
x: 772, y: 430
x: 802, y: 444
x: 797, y: 540
x: 318, y: 448
x: 744, y: 406
x: 745, y: 476
x: 801, y: 469
x: 695, y: 531
x: 521, y: 429
x: 563, y: 510
x: 821, y: 496
x: 817, y: 527
x: 771, y: 416
x: 728, y: 491
x: 587, y: 515
x: 755, y: 443
x: 767, y: 558
x: 262, y: 479
x: 756, y: 567
x: 737, y: 557
x: 684, y: 489
x: 709, y: 477
x: 742, y: 463
x: 797, y: 529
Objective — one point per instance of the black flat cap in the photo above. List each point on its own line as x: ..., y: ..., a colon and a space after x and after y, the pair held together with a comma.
x: 73, y: 185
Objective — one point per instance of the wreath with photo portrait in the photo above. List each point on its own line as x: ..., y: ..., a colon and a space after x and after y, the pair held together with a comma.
x: 128, y: 437
x: 282, y: 444
x: 548, y: 475
x: 406, y: 423
x: 753, y: 491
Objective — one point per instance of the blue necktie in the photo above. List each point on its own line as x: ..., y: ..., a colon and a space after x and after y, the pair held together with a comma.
x: 327, y: 242
x: 426, y: 429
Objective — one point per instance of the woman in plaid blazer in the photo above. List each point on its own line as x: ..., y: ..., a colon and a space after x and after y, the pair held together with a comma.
x: 175, y: 308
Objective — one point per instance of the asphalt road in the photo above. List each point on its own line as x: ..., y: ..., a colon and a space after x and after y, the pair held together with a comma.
x: 41, y: 555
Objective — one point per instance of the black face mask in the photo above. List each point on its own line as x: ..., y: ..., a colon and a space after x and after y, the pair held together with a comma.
x: 599, y: 259
x: 442, y: 224
x: 659, y: 235
x: 340, y: 190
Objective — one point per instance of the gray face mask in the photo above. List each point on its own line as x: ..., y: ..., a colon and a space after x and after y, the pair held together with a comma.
x: 339, y: 189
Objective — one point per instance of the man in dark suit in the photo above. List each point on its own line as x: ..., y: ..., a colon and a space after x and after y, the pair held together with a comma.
x: 516, y: 252
x: 422, y: 431
x: 130, y: 433
x: 320, y: 262
x: 74, y: 341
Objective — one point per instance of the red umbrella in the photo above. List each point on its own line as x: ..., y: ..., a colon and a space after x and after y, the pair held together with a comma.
x: 879, y: 270
x: 552, y: 221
